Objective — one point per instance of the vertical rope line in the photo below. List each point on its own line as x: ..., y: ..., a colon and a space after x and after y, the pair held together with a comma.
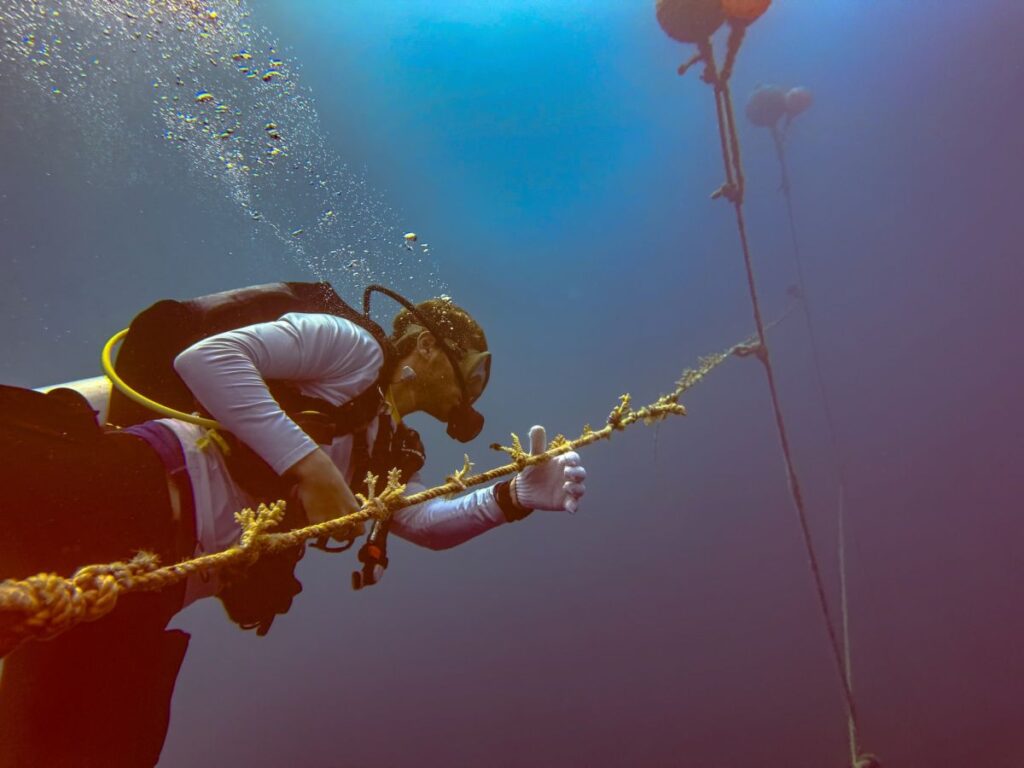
x: 806, y: 301
x: 726, y: 157
x: 711, y: 76
x: 851, y: 725
x: 830, y: 423
x: 734, y: 142
x: 780, y: 152
x: 794, y: 482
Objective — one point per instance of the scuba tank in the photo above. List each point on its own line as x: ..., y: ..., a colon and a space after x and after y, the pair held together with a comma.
x: 95, y: 390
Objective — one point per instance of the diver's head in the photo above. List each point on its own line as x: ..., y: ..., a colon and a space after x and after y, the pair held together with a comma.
x: 450, y: 364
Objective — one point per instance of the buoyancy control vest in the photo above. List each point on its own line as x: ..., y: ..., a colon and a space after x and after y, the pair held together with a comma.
x: 158, y: 334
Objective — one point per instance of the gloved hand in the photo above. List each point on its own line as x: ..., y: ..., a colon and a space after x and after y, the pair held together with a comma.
x: 322, y: 490
x: 555, y: 485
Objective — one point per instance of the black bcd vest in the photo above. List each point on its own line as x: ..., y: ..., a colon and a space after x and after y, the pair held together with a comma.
x: 158, y: 334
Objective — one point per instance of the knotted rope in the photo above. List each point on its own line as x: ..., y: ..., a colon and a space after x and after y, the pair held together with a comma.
x: 52, y: 605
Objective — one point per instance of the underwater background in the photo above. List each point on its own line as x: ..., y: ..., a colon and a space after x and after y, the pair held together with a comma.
x: 558, y: 171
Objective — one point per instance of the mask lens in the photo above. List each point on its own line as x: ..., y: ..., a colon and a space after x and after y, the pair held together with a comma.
x: 476, y: 370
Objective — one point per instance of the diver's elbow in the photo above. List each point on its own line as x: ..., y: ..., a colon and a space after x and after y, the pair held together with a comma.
x: 434, y: 543
x: 426, y: 540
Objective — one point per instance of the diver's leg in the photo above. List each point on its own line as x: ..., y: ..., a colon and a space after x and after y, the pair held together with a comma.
x: 100, y: 694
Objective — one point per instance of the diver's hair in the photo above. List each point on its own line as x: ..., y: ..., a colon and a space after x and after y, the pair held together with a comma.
x: 453, y: 321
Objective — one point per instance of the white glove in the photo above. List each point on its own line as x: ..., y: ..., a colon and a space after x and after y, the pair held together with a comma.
x: 555, y: 485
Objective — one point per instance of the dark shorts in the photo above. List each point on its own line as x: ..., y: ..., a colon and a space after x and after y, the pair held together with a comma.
x: 70, y: 495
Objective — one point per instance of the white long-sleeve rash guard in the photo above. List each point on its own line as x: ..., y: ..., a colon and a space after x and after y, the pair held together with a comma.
x: 328, y: 357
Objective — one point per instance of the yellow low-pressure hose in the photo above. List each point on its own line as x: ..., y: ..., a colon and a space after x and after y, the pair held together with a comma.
x: 138, y: 397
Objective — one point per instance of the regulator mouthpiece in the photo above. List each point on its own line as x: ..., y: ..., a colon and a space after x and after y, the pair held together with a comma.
x: 464, y: 423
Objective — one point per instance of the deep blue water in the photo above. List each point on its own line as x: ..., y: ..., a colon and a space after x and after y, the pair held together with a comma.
x: 560, y: 170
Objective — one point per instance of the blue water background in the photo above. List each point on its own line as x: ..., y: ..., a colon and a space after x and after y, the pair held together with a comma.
x: 560, y: 170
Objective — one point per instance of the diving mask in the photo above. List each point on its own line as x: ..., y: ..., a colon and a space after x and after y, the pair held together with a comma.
x: 465, y: 422
x: 472, y: 371
x: 476, y: 372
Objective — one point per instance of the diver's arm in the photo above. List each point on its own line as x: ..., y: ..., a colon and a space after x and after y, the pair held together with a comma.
x: 321, y: 487
x: 444, y: 523
x: 555, y: 484
x: 331, y: 357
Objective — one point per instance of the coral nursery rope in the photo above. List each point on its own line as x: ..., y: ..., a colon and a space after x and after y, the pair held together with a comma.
x: 46, y: 605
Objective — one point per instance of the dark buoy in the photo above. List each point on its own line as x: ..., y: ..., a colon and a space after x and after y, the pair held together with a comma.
x: 745, y: 11
x: 797, y: 101
x: 689, y: 21
x: 766, y: 105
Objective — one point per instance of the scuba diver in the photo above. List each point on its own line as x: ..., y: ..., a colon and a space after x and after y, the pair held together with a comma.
x: 310, y: 396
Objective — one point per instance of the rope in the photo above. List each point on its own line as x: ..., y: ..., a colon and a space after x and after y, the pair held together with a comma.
x: 46, y: 605
x: 786, y: 188
x: 851, y: 726
x: 805, y: 299
x: 737, y: 31
x: 733, y: 191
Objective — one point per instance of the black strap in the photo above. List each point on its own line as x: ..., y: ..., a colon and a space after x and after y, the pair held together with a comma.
x: 323, y: 421
x: 376, y: 460
x: 511, y: 510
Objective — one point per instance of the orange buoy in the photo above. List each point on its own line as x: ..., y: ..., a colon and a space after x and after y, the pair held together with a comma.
x: 689, y: 21
x: 746, y: 11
